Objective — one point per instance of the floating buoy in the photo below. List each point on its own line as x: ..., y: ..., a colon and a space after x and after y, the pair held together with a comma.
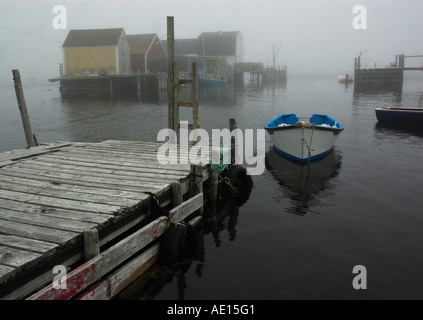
x: 177, y: 238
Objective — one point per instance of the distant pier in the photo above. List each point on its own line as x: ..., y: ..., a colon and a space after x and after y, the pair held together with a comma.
x: 387, y: 78
x: 258, y: 73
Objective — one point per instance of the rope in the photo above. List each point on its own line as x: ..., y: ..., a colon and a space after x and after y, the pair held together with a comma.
x: 309, y: 151
x: 159, y: 208
x: 220, y: 167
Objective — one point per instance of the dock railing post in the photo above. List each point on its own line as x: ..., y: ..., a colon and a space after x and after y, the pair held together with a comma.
x: 30, y: 140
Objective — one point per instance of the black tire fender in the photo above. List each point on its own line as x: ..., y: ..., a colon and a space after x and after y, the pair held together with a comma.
x: 176, y: 237
x: 240, y: 180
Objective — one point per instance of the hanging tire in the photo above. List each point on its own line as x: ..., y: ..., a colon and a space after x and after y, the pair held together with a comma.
x: 177, y: 237
x: 241, y: 181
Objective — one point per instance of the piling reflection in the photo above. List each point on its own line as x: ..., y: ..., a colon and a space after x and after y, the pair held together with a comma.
x: 377, y: 95
x: 303, y: 182
x: 218, y: 218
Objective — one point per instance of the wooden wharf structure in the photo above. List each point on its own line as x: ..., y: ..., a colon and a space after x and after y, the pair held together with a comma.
x: 258, y: 73
x: 388, y: 78
x: 82, y: 206
x: 118, y: 85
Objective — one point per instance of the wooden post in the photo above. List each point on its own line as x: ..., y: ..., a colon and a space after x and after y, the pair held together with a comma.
x: 195, y: 110
x: 23, y: 110
x: 170, y: 71
x: 139, y: 87
x: 175, y: 109
x: 91, y: 246
x: 233, y: 126
x: 214, y: 180
x: 196, y: 181
x: 401, y: 61
x: 177, y: 198
x: 111, y: 87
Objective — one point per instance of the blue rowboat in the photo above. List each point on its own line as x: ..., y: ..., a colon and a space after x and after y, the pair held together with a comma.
x: 303, y: 139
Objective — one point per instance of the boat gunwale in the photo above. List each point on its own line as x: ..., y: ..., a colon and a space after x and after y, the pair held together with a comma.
x: 293, y: 126
x: 402, y: 110
x: 312, y: 126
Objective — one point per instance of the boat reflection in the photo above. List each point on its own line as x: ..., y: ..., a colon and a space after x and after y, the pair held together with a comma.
x: 384, y: 128
x: 303, y: 182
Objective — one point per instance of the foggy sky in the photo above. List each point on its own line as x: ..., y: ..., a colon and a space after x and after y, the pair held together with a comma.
x: 315, y: 36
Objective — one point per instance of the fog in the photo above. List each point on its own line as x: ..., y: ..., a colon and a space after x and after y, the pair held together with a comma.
x: 315, y: 36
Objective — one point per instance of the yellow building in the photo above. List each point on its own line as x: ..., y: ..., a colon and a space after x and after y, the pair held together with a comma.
x: 93, y: 51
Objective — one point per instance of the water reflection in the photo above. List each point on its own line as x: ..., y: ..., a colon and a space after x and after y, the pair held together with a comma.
x: 304, y: 182
x: 382, y: 95
x: 217, y: 218
x: 383, y: 129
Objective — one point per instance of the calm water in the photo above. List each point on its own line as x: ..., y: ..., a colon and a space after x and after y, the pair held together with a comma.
x: 302, y: 230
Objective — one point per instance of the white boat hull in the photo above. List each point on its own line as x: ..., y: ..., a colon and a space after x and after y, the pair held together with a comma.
x: 302, y: 144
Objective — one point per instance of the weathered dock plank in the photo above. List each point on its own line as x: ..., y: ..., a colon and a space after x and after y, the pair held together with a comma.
x: 27, y: 244
x: 50, y: 211
x: 41, y: 220
x: 94, y: 269
x: 51, y: 194
x: 10, y: 156
x: 35, y: 232
x: 106, y: 196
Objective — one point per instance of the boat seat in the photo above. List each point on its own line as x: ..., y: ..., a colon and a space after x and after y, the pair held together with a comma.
x: 303, y: 123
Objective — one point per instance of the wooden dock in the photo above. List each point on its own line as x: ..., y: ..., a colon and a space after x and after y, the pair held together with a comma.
x: 54, y: 196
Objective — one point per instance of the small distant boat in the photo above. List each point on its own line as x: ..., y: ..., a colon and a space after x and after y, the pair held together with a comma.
x: 303, y: 139
x: 345, y: 78
x: 212, y: 82
x: 408, y: 116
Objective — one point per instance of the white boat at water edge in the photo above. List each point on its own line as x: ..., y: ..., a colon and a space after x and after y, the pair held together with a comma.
x: 345, y: 78
x: 303, y: 139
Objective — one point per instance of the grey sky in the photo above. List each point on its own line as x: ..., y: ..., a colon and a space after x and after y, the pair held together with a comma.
x: 315, y: 35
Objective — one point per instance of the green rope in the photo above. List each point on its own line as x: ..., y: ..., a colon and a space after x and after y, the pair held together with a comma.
x: 220, y: 167
x: 309, y: 150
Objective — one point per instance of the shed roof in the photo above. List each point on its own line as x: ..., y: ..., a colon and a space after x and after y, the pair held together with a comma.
x: 219, y: 43
x: 139, y: 43
x: 208, y: 44
x: 93, y: 37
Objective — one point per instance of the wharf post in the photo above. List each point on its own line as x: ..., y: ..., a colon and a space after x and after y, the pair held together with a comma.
x: 170, y: 71
x: 30, y: 140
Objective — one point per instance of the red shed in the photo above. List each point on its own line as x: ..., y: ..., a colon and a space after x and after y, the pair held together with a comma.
x: 143, y: 46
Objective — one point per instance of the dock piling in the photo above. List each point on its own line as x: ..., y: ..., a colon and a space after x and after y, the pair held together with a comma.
x: 30, y: 140
x: 91, y: 244
x: 170, y: 71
